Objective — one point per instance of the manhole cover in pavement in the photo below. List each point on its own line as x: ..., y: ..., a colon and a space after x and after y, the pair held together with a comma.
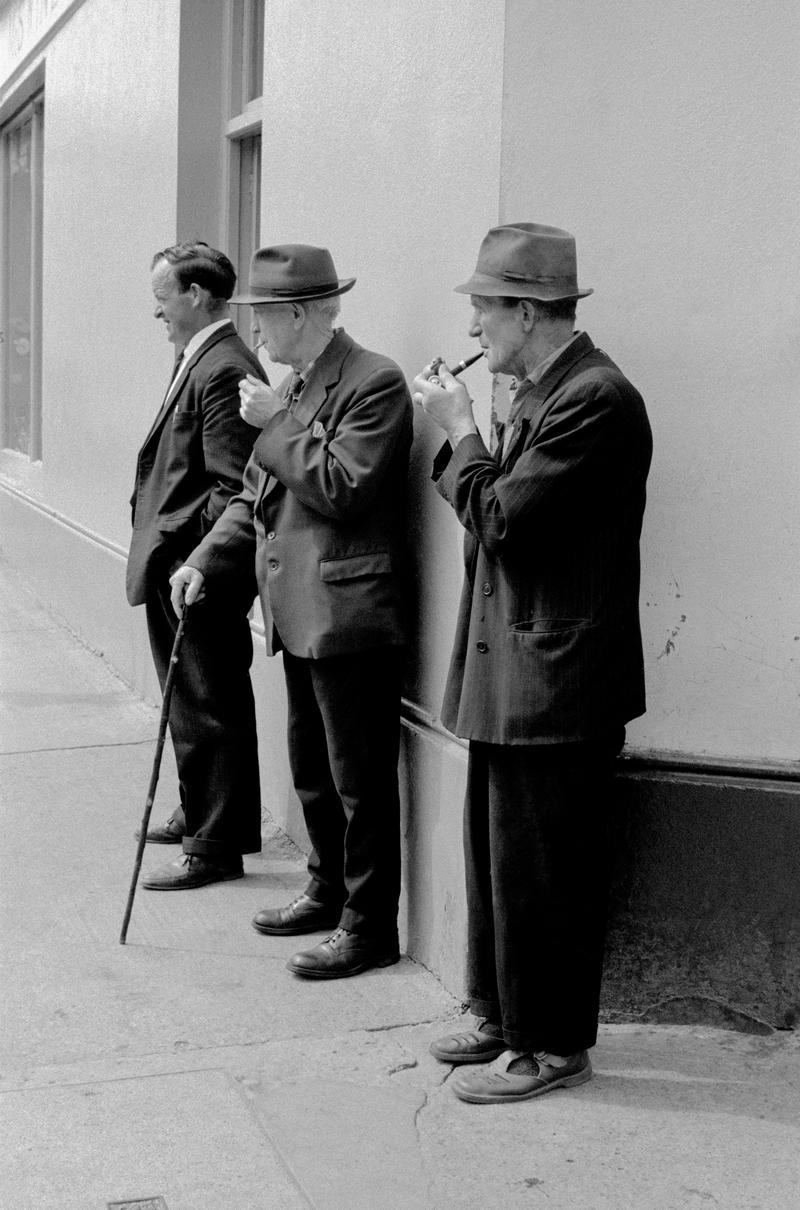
x: 139, y: 1203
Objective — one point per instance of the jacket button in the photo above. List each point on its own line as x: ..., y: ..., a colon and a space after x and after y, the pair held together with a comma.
x: 482, y: 647
x: 487, y: 589
x: 274, y: 564
x: 271, y: 536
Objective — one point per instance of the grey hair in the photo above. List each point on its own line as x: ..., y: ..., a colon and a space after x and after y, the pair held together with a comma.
x: 326, y: 308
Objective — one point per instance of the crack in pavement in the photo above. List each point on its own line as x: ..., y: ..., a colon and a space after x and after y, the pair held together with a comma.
x: 125, y: 743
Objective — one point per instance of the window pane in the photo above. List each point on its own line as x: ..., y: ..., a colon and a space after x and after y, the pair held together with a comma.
x: 249, y: 222
x: 19, y: 347
x: 254, y: 51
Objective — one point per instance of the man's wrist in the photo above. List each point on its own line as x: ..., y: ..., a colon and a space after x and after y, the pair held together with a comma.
x: 464, y: 428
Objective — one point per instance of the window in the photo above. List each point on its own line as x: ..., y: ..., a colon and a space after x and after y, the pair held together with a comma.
x: 21, y: 297
x: 243, y: 133
x: 247, y: 63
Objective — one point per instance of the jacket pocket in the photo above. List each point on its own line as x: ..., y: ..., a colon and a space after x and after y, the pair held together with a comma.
x: 176, y: 521
x: 186, y: 420
x: 550, y: 625
x: 355, y: 567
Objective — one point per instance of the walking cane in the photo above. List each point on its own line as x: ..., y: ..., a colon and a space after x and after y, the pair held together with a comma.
x: 151, y: 793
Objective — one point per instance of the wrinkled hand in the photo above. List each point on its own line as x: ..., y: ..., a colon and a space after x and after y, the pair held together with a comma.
x: 187, y: 587
x: 446, y: 401
x: 258, y: 403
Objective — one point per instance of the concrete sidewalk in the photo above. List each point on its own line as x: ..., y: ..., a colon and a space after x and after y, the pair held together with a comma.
x: 189, y: 1066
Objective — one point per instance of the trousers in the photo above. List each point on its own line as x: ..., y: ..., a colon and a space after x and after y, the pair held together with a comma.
x: 538, y: 873
x: 212, y: 722
x: 344, y: 741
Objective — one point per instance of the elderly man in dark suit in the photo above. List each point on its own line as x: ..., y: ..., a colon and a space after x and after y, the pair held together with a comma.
x: 547, y: 665
x: 322, y: 513
x: 189, y: 467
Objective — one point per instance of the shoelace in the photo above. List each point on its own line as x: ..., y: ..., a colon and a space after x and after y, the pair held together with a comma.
x: 336, y: 935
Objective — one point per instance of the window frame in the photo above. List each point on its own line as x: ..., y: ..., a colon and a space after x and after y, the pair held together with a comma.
x: 243, y: 123
x: 33, y: 109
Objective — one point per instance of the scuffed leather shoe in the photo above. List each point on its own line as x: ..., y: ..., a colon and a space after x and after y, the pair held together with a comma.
x: 303, y: 915
x: 342, y: 954
x: 473, y: 1046
x: 190, y: 871
x: 516, y: 1076
x: 169, y: 833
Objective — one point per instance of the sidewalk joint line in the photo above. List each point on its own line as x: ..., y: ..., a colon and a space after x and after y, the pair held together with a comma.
x: 123, y: 743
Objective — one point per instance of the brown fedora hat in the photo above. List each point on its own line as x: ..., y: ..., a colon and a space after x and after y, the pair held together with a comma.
x: 292, y: 273
x: 526, y: 260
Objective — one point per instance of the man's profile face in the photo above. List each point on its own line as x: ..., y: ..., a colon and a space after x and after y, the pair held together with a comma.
x: 276, y: 325
x: 500, y: 332
x: 174, y: 306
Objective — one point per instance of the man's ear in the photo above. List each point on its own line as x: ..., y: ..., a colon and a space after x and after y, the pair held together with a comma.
x: 527, y: 314
x: 298, y: 313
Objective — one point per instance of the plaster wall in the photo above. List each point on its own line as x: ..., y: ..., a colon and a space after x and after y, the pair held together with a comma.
x: 110, y: 150
x: 664, y: 136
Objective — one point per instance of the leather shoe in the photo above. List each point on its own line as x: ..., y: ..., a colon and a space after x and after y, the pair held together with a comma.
x: 190, y: 871
x: 169, y: 833
x: 303, y: 915
x: 342, y: 954
x: 473, y: 1046
x: 516, y: 1076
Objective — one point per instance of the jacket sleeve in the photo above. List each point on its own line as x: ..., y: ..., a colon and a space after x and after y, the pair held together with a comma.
x: 227, y: 439
x: 338, y: 473
x: 576, y: 441
x: 229, y: 547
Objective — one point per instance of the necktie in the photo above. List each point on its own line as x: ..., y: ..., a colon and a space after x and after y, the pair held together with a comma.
x: 523, y: 390
x: 293, y: 394
x: 175, y: 371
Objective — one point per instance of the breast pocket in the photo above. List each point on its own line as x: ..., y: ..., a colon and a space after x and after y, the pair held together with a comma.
x: 185, y: 443
x: 185, y: 421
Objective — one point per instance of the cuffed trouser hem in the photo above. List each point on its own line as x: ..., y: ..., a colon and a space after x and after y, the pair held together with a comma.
x: 383, y: 931
x: 521, y: 1040
x: 316, y: 891
x: 484, y: 1008
x: 214, y: 850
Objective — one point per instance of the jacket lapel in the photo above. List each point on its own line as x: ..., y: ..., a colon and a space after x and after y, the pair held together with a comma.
x: 532, y: 413
x: 172, y: 396
x: 325, y: 374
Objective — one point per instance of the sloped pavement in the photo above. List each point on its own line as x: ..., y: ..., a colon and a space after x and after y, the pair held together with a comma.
x: 189, y: 1070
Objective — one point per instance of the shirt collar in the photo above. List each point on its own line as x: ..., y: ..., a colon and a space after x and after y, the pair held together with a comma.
x: 305, y: 373
x: 538, y: 372
x: 200, y: 338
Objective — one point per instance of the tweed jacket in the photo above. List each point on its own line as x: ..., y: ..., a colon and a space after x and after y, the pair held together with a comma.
x: 548, y: 645
x: 322, y: 510
x: 191, y: 462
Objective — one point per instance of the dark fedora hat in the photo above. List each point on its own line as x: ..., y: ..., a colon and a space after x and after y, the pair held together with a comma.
x: 292, y: 273
x: 526, y: 260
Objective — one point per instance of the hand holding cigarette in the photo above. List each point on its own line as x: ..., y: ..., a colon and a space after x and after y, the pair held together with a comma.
x: 446, y: 400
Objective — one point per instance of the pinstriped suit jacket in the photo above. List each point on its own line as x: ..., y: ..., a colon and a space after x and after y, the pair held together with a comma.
x: 548, y: 645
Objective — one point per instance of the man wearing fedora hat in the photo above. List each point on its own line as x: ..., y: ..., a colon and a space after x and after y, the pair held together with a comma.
x: 322, y: 512
x: 547, y: 664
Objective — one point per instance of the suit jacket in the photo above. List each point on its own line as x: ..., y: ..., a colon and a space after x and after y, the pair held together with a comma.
x: 322, y: 510
x: 191, y: 463
x: 548, y: 645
